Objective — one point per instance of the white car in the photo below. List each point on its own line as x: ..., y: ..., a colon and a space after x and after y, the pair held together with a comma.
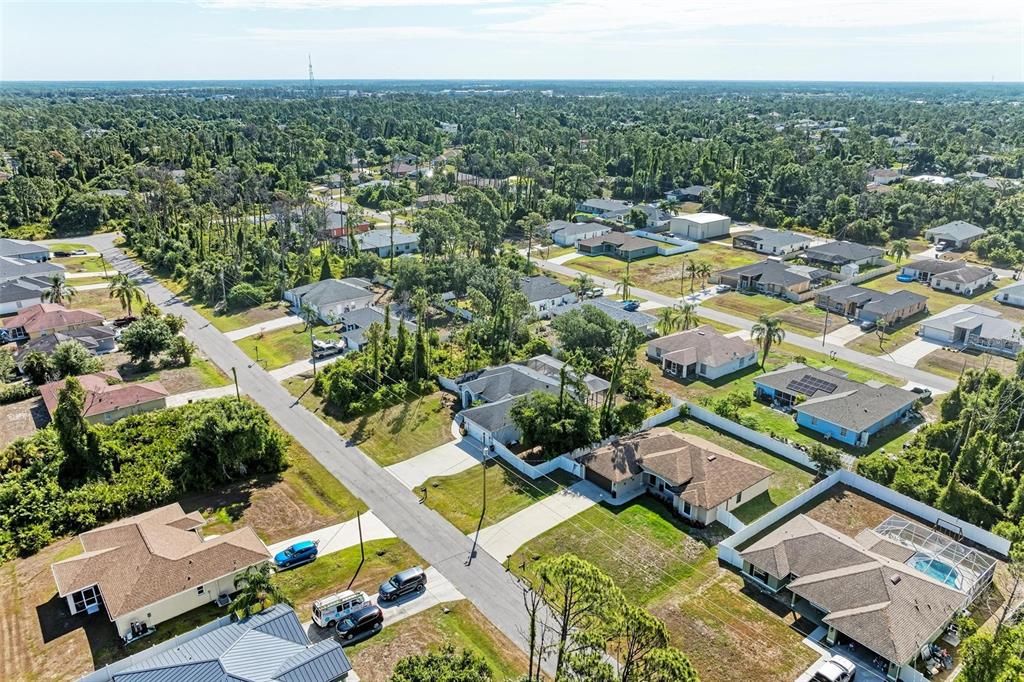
x: 835, y: 669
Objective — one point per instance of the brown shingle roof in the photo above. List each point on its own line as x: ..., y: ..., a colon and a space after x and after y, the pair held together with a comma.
x: 705, y: 474
x: 101, y: 396
x: 46, y: 316
x: 881, y: 603
x: 702, y: 344
x: 145, y: 558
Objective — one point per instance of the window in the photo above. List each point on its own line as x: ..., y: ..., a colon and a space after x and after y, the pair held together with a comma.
x: 686, y: 507
x: 814, y: 420
x: 739, y: 497
x: 842, y: 432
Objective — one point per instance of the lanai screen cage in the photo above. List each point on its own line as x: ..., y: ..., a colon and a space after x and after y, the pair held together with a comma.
x: 940, y: 556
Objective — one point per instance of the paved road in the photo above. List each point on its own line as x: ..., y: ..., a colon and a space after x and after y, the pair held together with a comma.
x: 878, y: 364
x: 484, y: 581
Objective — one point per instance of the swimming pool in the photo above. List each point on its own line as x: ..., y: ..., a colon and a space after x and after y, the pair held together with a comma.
x: 934, y: 568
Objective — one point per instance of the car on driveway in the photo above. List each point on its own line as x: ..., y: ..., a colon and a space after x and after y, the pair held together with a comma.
x: 631, y: 305
x: 296, y: 555
x: 79, y: 252
x: 408, y: 581
x: 61, y: 254
x: 363, y: 622
x: 835, y: 669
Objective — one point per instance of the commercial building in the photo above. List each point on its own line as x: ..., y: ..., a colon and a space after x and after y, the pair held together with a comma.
x: 772, y: 242
x: 700, y: 226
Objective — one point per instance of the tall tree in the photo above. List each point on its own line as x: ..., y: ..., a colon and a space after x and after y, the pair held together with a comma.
x: 257, y: 590
x: 899, y: 249
x: 767, y: 332
x: 59, y: 291
x: 126, y: 290
x: 443, y: 665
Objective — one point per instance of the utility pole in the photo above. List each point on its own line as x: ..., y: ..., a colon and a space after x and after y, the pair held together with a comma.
x: 312, y: 87
x: 223, y: 288
x: 238, y: 395
x: 824, y: 331
x: 312, y: 349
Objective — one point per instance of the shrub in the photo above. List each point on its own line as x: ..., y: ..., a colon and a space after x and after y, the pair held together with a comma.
x: 244, y: 295
x: 12, y: 393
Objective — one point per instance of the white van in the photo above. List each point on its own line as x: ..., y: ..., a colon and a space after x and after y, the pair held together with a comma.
x: 329, y: 610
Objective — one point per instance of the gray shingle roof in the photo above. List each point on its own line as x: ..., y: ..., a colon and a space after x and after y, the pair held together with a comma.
x: 612, y: 309
x: 542, y: 288
x: 492, y: 416
x: 934, y: 266
x: 17, y: 248
x: 775, y: 273
x: 16, y: 267
x: 703, y: 344
x: 965, y: 275
x: 957, y: 230
x: 840, y: 253
x: 886, y: 606
x: 874, y: 301
x: 605, y: 204
x: 270, y: 646
x: 378, y: 239
x: 328, y: 292
x: 22, y: 289
x: 776, y: 238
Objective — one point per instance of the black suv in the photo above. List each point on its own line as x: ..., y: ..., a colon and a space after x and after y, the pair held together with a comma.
x: 409, y: 580
x: 364, y: 621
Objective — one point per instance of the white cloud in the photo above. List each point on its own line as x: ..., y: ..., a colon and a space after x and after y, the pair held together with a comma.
x: 335, y: 4
x: 380, y: 34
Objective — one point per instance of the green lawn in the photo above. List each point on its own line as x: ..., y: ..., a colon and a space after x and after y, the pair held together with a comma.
x: 801, y: 318
x: 84, y: 264
x: 459, y: 498
x: 340, y: 571
x: 662, y: 274
x: 168, y: 629
x: 234, y: 319
x: 284, y: 346
x: 69, y: 246
x: 391, y: 435
x: 788, y: 480
x: 99, y: 301
x: 458, y: 624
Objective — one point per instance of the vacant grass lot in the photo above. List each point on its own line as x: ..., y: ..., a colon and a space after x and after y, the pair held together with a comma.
x: 230, y: 320
x: 391, y: 435
x: 176, y: 379
x: 788, y: 480
x: 462, y: 626
x: 98, y: 300
x: 459, y: 498
x: 804, y: 318
x: 281, y: 347
x: 84, y: 263
x: 672, y: 570
x: 665, y: 274
x: 949, y: 364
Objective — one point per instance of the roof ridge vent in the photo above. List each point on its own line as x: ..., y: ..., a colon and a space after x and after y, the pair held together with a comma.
x: 895, y: 578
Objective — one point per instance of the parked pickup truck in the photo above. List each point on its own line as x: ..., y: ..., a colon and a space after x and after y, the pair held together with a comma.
x: 322, y: 349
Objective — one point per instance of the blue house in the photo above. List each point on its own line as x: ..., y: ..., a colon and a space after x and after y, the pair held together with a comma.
x: 827, y: 402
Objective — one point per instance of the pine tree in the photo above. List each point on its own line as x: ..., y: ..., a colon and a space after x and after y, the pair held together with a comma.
x: 991, y: 485
x: 1016, y: 509
x: 401, y: 348
x: 325, y: 269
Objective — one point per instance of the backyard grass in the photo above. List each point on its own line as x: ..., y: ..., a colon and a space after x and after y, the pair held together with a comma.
x: 392, y: 435
x: 788, y: 480
x: 341, y: 570
x: 302, y: 498
x: 281, y: 347
x: 949, y: 364
x: 662, y: 274
x: 77, y: 282
x: 458, y: 624
x: 459, y: 497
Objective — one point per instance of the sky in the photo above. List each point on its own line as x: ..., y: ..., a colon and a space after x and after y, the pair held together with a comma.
x: 841, y: 40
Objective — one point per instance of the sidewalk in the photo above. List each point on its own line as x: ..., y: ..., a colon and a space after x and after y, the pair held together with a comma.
x: 87, y: 275
x: 269, y: 325
x: 301, y: 367
x: 444, y: 460
x: 505, y: 537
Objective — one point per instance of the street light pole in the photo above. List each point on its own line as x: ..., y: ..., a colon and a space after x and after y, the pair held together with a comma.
x: 824, y: 331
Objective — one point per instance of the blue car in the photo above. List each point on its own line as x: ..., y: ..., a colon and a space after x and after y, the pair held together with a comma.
x: 631, y: 305
x: 296, y: 555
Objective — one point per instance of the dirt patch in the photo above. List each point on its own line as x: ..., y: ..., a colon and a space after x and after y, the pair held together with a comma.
x: 848, y: 511
x: 808, y: 320
x: 40, y: 639
x: 22, y: 419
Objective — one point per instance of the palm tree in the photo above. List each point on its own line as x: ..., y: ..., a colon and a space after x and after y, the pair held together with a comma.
x: 677, y: 318
x: 899, y: 250
x: 309, y: 315
x: 125, y: 290
x: 691, y: 269
x: 624, y: 284
x: 582, y: 284
x: 256, y: 591
x: 704, y: 272
x: 766, y: 333
x: 59, y: 292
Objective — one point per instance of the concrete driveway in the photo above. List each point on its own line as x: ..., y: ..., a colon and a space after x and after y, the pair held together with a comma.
x: 444, y: 460
x: 911, y: 353
x: 341, y: 535
x: 845, y: 334
x: 269, y: 325
x: 565, y: 257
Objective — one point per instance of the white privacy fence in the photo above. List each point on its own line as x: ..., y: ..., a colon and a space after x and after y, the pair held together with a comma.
x: 757, y: 438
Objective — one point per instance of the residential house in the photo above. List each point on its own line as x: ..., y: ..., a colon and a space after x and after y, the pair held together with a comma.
x: 702, y: 352
x: 966, y: 280
x: 691, y: 193
x: 868, y: 305
x: 24, y: 250
x: 571, y: 234
x: 149, y: 568
x: 97, y: 340
x: 21, y: 293
x: 700, y: 226
x: 544, y: 293
x: 829, y: 403
x: 697, y: 478
x: 644, y: 322
x: 107, y: 399
x: 957, y: 235
x: 1012, y: 295
x: 270, y: 646
x: 772, y: 242
x: 42, y: 319
x: 840, y: 254
x: 619, y: 244
x: 654, y: 217
x: 340, y: 234
x: 883, y: 176
x: 893, y: 590
x: 380, y: 242
x: 488, y: 396
x: 976, y: 327
x: 428, y: 200
x: 16, y: 268
x: 924, y: 269
x: 332, y: 297
x: 775, y: 278
x: 937, y: 180
x: 352, y: 325
x: 600, y: 207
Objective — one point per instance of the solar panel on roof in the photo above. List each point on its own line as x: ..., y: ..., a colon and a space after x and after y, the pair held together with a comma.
x: 809, y: 385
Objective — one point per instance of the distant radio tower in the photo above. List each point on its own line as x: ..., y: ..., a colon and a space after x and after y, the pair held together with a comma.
x: 311, y: 86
